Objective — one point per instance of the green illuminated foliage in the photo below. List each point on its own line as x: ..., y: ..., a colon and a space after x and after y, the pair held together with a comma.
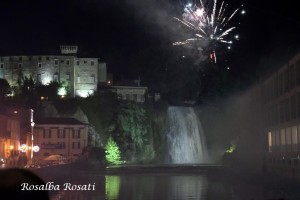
x: 231, y: 149
x: 112, y: 152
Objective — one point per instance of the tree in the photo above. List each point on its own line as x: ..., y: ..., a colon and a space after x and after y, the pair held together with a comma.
x: 112, y: 152
x: 50, y: 90
x: 4, y: 88
x: 132, y: 119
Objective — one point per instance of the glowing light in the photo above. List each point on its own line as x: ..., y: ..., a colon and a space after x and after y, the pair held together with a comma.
x: 228, y: 68
x: 112, y: 187
x: 42, y: 98
x: 62, y: 91
x: 209, y: 23
x: 231, y: 149
x: 229, y: 47
x: 15, y: 112
x: 36, y: 148
x: 243, y: 12
x: 112, y: 152
x: 11, y: 147
x: 23, y: 148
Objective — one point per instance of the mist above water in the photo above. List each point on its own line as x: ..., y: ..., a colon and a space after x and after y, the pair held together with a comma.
x: 185, y: 137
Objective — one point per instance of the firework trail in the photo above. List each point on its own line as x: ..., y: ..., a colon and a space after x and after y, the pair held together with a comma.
x: 209, y: 23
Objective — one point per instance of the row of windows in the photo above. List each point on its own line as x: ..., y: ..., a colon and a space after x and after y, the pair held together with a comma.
x: 286, y: 139
x: 92, y: 63
x: 282, y: 83
x: 90, y: 79
x: 75, y: 145
x: 284, y: 161
x: 284, y: 111
x: 20, y: 58
x: 132, y: 97
x: 59, y: 134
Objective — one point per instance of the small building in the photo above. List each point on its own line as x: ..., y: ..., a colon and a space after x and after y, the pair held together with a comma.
x: 131, y: 93
x: 66, y: 137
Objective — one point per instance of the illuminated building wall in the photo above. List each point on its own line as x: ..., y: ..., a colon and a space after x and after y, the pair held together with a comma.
x: 60, y: 136
x: 9, y: 139
x: 131, y: 93
x: 80, y: 74
x: 281, y: 103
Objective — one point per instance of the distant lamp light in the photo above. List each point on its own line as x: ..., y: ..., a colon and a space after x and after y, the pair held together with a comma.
x: 42, y: 98
x: 228, y: 68
x: 229, y: 47
x: 15, y: 112
x: 11, y: 147
x: 36, y: 148
x: 243, y: 12
x: 29, y: 147
x: 23, y: 148
x: 108, y: 82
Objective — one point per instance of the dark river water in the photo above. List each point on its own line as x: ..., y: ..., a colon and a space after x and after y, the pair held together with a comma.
x: 166, y: 186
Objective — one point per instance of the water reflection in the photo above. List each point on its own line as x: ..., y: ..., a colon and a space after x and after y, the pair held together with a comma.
x: 112, y: 187
x: 187, y: 187
x: 173, y: 187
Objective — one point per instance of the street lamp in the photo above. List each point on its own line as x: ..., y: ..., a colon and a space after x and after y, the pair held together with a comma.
x: 32, y: 125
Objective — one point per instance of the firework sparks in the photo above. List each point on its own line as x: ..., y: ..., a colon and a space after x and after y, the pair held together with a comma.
x: 209, y: 22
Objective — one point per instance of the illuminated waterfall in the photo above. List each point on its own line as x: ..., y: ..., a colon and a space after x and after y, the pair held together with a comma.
x: 185, y: 137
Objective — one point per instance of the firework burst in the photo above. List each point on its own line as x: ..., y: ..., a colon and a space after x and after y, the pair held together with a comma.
x: 209, y: 23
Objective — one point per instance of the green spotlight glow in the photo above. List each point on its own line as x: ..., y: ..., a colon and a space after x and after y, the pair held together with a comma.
x: 112, y: 152
x: 112, y: 187
x: 231, y: 149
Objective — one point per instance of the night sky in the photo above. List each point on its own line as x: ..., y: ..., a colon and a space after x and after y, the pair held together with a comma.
x: 135, y: 37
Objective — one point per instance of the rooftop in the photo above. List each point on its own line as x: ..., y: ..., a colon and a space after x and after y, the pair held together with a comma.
x: 58, y: 120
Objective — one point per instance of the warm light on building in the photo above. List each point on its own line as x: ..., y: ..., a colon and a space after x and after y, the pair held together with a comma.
x: 11, y: 147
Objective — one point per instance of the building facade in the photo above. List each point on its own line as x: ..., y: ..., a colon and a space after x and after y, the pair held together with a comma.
x: 9, y: 140
x: 131, y: 93
x: 80, y: 75
x: 281, y: 106
x: 66, y: 137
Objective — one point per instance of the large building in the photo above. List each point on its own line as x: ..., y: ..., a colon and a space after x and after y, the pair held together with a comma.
x: 66, y: 137
x: 15, y: 129
x: 281, y: 104
x: 81, y: 75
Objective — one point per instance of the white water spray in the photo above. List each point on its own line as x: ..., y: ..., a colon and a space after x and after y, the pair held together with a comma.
x: 185, y: 137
